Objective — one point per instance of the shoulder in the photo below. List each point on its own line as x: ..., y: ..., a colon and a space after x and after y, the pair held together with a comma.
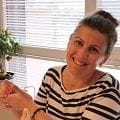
x: 108, y: 98
x: 53, y: 74
x: 109, y: 81
x: 56, y: 70
x: 114, y: 83
x: 111, y: 89
x: 114, y: 89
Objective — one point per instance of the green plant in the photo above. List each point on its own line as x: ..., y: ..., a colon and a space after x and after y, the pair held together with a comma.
x: 8, y: 48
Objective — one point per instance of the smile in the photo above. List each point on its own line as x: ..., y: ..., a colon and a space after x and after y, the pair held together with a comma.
x: 80, y: 63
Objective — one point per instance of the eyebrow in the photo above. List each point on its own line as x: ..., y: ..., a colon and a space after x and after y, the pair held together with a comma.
x: 84, y: 42
x: 80, y: 39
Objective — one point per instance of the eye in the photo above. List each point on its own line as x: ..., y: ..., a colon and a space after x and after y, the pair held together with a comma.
x: 78, y: 43
x: 93, y: 50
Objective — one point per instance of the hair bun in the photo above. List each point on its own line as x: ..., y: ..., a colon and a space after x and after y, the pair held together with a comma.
x: 107, y: 15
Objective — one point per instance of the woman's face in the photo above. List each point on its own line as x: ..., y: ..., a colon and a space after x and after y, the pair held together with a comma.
x: 86, y: 49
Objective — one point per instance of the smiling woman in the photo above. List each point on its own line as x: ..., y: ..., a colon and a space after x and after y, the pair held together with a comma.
x: 78, y: 90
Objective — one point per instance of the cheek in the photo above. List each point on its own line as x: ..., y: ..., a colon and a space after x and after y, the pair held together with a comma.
x: 69, y: 53
x: 94, y: 60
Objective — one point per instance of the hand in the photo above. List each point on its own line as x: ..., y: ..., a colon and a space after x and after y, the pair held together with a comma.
x: 15, y: 97
x: 18, y: 97
x: 6, y: 88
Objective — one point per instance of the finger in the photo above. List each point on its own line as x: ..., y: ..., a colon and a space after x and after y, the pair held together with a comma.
x: 11, y: 88
x: 7, y: 84
x: 20, y: 91
x: 25, y: 115
x: 3, y: 95
x: 6, y: 88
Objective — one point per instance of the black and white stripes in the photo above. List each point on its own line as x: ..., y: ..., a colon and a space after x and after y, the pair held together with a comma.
x: 100, y: 101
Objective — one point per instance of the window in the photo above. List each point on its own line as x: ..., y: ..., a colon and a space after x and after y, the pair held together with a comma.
x: 44, y: 27
x: 38, y: 25
x: 50, y: 21
x: 14, y: 19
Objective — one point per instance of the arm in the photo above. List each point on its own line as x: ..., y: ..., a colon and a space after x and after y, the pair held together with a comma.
x: 16, y: 97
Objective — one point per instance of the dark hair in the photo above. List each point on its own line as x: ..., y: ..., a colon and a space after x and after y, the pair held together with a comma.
x: 105, y: 23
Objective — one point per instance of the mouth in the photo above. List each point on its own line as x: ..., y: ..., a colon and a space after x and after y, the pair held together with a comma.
x: 80, y: 62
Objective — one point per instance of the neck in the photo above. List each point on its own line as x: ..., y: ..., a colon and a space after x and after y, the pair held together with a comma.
x: 72, y: 82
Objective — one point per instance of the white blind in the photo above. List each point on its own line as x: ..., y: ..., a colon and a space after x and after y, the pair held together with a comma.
x: 15, y: 22
x: 113, y: 6
x: 49, y: 23
x: 16, y: 18
x: 41, y: 24
x: 18, y: 67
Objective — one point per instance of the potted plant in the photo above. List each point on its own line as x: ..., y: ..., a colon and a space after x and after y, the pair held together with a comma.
x: 8, y: 48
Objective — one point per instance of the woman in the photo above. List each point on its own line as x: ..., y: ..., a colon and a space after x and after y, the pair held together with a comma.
x: 79, y: 91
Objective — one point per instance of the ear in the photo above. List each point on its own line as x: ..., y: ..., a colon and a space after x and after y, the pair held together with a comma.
x: 105, y: 58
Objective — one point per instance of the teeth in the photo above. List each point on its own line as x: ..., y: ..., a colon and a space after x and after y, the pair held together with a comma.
x: 79, y: 63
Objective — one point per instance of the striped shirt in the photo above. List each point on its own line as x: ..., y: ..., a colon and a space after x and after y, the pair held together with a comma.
x: 100, y: 101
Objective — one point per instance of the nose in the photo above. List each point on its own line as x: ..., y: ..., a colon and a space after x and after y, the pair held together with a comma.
x: 82, y: 53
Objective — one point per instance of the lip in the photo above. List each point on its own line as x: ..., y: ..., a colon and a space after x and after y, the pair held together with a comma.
x: 80, y: 62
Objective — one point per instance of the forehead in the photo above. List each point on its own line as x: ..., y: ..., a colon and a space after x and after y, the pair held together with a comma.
x: 91, y: 35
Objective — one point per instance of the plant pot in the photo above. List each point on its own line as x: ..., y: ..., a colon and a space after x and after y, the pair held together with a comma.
x: 8, y: 76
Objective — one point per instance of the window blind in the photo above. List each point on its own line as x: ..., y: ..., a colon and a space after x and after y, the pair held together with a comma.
x: 41, y: 24
x: 51, y: 21
x: 18, y: 67
x: 16, y: 23
x: 16, y: 18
